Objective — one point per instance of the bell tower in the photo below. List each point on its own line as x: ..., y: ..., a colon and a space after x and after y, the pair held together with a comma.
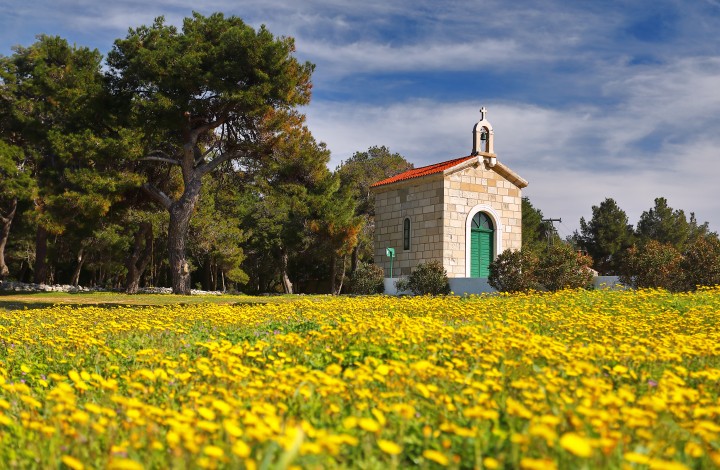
x: 483, y: 135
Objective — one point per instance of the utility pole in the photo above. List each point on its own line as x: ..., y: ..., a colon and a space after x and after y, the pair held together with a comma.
x: 552, y: 226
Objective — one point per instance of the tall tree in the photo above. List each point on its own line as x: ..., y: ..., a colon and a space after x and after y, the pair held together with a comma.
x: 215, y: 235
x: 53, y: 108
x: 357, y: 174
x: 284, y: 196
x: 337, y: 227
x: 664, y: 224
x: 534, y: 230
x: 200, y: 94
x: 606, y: 236
x: 15, y: 186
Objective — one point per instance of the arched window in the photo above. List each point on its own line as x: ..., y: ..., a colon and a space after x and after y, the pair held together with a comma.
x: 406, y: 234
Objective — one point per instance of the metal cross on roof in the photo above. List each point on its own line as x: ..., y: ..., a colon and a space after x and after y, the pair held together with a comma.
x: 483, y: 112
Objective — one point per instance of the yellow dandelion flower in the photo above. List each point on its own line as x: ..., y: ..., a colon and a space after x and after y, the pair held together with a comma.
x: 389, y: 447
x: 72, y: 462
x: 172, y: 438
x: 634, y: 457
x: 333, y: 369
x: 241, y: 449
x: 232, y: 428
x: 124, y: 464
x: 435, y: 456
x: 491, y: 463
x: 379, y: 416
x: 214, y: 452
x: 369, y: 424
x: 576, y: 444
x: 206, y: 413
x: 537, y: 464
x: 222, y: 407
x: 656, y: 464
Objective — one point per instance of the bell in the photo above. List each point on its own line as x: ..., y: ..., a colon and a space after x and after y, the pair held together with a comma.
x: 483, y: 135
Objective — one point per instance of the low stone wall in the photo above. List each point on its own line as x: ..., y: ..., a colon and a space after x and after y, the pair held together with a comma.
x: 458, y: 285
x: 607, y: 282
x: 478, y: 285
x: 9, y: 286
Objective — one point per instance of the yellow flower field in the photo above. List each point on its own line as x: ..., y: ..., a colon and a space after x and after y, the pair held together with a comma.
x: 576, y: 379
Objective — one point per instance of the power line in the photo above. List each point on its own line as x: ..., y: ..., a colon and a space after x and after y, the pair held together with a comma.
x: 552, y: 226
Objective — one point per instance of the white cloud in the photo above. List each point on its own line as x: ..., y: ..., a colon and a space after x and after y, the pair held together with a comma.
x: 364, y: 57
x: 554, y: 150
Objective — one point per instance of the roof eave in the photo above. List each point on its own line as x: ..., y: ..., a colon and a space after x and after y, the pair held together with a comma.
x: 461, y: 166
x: 510, y: 175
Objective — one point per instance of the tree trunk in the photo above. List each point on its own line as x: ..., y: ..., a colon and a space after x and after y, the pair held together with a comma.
x: 139, y: 258
x: 41, y: 268
x: 6, y: 222
x: 333, y: 272
x: 342, y: 276
x: 287, y: 285
x: 180, y: 213
x: 80, y: 261
x: 207, y: 273
x: 215, y: 270
x: 354, y: 259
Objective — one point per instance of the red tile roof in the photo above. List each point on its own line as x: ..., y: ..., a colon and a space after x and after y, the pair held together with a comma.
x: 422, y: 171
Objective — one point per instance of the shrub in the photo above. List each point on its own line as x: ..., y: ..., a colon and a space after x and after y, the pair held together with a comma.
x: 514, y: 271
x: 402, y: 285
x: 700, y: 264
x: 367, y: 279
x: 561, y: 267
x: 651, y: 266
x: 427, y: 278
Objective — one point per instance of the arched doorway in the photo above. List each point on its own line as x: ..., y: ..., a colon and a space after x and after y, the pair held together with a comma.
x: 482, y: 234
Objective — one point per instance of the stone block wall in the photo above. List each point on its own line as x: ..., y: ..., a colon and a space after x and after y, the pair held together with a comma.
x: 467, y: 189
x: 422, y: 202
x: 438, y: 207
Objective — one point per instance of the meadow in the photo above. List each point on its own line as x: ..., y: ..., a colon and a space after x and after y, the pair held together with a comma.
x: 571, y: 380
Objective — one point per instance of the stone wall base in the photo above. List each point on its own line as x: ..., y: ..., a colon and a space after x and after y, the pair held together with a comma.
x: 478, y: 285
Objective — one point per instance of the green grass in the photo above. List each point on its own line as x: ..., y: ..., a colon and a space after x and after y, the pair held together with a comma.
x: 26, y: 300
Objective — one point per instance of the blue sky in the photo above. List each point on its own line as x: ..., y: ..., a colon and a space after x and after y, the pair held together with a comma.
x: 588, y: 99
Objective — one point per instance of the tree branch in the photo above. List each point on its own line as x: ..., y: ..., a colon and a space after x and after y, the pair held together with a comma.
x: 207, y: 167
x: 195, y: 133
x: 161, y: 159
x: 157, y: 195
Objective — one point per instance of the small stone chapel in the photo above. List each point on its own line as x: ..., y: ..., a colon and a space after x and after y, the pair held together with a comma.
x: 463, y: 212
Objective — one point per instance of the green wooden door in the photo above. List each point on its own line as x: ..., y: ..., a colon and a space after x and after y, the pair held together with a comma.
x: 481, y: 245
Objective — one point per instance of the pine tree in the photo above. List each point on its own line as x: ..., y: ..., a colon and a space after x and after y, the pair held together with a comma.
x: 606, y: 236
x: 200, y: 96
x: 357, y: 174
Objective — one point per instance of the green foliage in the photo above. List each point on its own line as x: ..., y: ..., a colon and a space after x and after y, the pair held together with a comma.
x: 558, y: 267
x: 216, y: 68
x: 216, y: 236
x: 514, y: 271
x: 700, y: 263
x: 427, y: 278
x: 664, y: 225
x: 606, y: 236
x: 534, y: 230
x: 561, y: 267
x: 357, y: 174
x: 363, y: 169
x: 15, y: 178
x: 367, y: 279
x: 53, y: 108
x: 653, y: 264
x: 203, y: 97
